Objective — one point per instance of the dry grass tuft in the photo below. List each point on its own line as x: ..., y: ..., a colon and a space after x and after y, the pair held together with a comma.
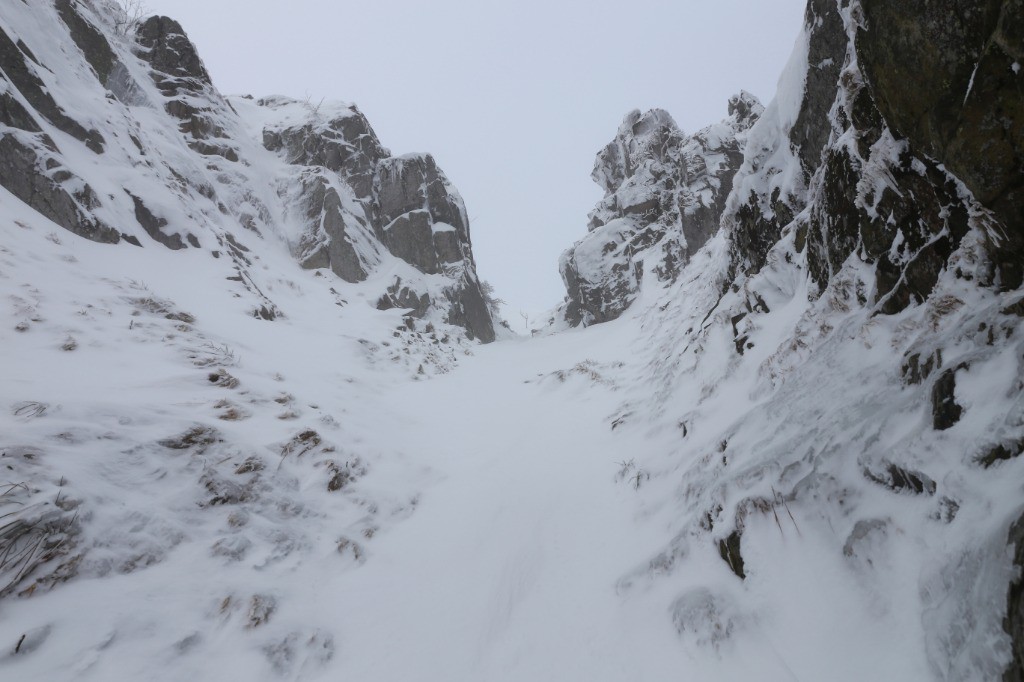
x: 222, y: 379
x: 33, y: 533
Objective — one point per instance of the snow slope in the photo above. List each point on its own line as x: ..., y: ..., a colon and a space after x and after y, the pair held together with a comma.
x: 491, y: 523
x: 189, y: 451
x: 751, y: 473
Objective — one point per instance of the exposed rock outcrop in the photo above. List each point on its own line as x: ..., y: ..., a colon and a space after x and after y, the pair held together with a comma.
x: 181, y: 77
x: 341, y: 140
x: 21, y: 72
x: 664, y: 196
x: 882, y: 200
x: 41, y: 182
x: 412, y: 191
x: 947, y: 77
x: 358, y: 203
x: 891, y: 199
x: 879, y: 195
x: 181, y: 168
x: 175, y: 60
x: 89, y: 39
x: 826, y: 55
x: 30, y: 166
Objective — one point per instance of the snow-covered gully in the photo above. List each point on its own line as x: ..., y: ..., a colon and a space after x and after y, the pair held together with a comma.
x: 508, y: 568
x: 253, y: 427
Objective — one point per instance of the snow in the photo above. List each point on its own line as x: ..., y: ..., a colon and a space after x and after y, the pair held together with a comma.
x: 592, y: 254
x: 286, y: 112
x: 498, y: 538
x: 970, y: 83
x: 333, y: 494
x: 769, y: 163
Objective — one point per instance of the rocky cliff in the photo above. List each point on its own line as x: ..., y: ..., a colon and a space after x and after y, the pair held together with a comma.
x: 664, y: 196
x: 358, y: 203
x: 859, y: 155
x: 871, y: 230
x: 123, y: 138
x: 864, y: 187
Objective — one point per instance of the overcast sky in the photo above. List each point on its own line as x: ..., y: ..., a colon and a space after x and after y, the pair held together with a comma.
x: 513, y: 98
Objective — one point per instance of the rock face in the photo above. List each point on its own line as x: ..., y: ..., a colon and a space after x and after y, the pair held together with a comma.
x: 357, y: 203
x: 857, y: 157
x: 880, y: 189
x: 22, y: 73
x: 881, y: 198
x: 412, y: 191
x: 875, y: 185
x: 947, y: 76
x: 30, y: 163
x: 851, y: 161
x: 826, y: 54
x: 172, y: 55
x: 664, y: 196
x: 88, y: 38
x: 182, y: 78
x: 184, y: 168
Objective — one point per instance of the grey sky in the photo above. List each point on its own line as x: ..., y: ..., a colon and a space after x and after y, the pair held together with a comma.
x: 512, y: 98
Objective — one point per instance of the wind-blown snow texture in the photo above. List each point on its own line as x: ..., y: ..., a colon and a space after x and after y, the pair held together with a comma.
x: 793, y: 454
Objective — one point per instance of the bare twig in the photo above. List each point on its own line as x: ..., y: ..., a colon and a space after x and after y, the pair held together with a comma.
x: 777, y: 521
x: 132, y: 14
x: 12, y: 486
x: 786, y: 505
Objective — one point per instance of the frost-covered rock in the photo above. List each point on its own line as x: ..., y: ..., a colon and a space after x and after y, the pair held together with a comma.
x: 816, y: 417
x: 115, y: 131
x: 870, y: 230
x: 854, y: 156
x: 664, y: 196
x: 357, y: 204
x: 826, y: 164
x: 31, y: 166
x: 947, y: 77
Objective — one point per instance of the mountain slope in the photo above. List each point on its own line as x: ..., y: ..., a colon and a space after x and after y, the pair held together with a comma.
x: 179, y: 165
x: 247, y: 434
x: 841, y: 365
